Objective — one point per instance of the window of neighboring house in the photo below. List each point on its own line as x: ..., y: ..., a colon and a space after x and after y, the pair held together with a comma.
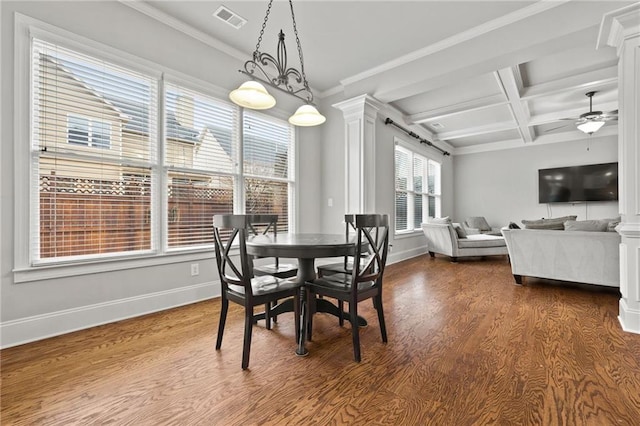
x: 417, y: 189
x: 87, y: 132
x: 146, y: 192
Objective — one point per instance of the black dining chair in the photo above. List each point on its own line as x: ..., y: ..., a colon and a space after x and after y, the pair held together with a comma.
x: 365, y: 280
x: 238, y: 282
x: 263, y: 224
x: 346, y: 265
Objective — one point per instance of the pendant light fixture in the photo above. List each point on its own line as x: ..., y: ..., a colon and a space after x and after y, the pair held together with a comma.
x: 262, y: 67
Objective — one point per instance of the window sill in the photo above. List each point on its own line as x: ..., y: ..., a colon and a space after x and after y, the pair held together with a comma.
x: 46, y: 272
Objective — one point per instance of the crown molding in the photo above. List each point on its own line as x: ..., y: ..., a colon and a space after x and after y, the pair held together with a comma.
x: 503, y: 21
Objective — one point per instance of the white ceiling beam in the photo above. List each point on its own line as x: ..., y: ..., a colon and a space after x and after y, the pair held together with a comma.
x: 552, y: 117
x: 459, y: 108
x: 510, y: 81
x: 585, y: 81
x: 478, y: 130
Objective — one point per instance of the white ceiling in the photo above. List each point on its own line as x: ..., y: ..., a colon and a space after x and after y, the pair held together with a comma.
x: 493, y: 74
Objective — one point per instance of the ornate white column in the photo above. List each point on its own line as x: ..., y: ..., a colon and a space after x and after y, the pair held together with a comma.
x: 621, y: 29
x: 360, y: 153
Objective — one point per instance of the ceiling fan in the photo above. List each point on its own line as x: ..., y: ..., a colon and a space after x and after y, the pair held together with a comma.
x: 590, y: 122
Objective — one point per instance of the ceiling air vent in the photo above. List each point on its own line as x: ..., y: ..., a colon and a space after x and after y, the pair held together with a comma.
x: 437, y: 125
x: 230, y: 17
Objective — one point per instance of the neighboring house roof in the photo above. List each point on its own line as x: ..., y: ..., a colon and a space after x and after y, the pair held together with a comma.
x: 69, y: 73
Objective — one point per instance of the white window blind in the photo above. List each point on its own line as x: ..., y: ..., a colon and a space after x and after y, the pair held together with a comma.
x: 116, y: 166
x: 92, y: 143
x: 267, y: 152
x: 201, y: 150
x: 415, y: 201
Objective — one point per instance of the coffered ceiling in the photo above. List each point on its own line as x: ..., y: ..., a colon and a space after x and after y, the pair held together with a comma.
x: 477, y: 75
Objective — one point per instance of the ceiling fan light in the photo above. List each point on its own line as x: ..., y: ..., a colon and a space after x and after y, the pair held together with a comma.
x: 252, y: 95
x: 590, y: 127
x: 307, y: 115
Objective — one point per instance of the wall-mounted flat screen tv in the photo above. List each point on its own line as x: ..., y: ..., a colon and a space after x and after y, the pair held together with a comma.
x: 593, y: 182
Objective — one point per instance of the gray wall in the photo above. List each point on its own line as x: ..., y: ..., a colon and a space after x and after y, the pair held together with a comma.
x: 503, y: 185
x: 40, y: 308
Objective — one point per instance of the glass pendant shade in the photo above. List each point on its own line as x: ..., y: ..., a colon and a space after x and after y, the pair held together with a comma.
x: 252, y: 95
x: 307, y: 115
x: 590, y: 127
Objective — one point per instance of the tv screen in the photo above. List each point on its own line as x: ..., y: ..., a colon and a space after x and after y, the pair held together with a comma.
x: 594, y: 182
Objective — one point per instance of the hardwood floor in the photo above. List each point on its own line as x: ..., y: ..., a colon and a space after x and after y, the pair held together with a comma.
x: 466, y: 347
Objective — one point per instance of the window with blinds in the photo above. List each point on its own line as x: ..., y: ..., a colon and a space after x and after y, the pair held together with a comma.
x: 96, y: 151
x: 93, y: 144
x: 267, y: 152
x: 201, y: 150
x: 417, y: 189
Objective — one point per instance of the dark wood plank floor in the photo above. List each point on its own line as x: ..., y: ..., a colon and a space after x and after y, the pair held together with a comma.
x: 466, y: 347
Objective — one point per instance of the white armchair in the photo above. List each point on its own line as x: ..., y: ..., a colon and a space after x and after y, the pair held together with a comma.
x: 444, y: 239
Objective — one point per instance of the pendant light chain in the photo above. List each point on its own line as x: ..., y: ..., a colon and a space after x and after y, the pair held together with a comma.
x: 264, y: 25
x: 295, y: 31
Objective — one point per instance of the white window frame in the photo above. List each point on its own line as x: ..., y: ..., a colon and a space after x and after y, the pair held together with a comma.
x: 411, y: 193
x: 26, y: 219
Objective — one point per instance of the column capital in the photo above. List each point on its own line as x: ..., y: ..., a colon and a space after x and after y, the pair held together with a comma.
x: 629, y: 229
x: 360, y: 105
x: 618, y: 26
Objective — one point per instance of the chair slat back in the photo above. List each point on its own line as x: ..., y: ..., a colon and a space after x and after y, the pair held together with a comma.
x: 239, y: 273
x: 349, y: 227
x: 371, y: 249
x: 262, y: 224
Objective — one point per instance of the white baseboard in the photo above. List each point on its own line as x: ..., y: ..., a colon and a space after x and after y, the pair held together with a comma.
x: 25, y: 330
x: 629, y: 318
x: 398, y: 256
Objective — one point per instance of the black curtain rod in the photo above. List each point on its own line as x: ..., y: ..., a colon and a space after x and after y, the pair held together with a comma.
x: 415, y: 135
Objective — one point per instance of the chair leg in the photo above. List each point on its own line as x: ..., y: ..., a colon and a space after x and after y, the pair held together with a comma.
x: 267, y: 315
x: 296, y: 314
x: 223, y: 319
x: 355, y: 330
x: 248, y: 328
x: 311, y: 308
x: 377, y: 302
x: 340, y: 311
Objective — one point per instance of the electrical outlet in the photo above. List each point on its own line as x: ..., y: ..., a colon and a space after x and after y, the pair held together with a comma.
x: 195, y: 269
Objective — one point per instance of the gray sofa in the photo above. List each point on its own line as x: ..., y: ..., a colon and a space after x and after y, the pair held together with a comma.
x: 444, y: 239
x: 578, y: 256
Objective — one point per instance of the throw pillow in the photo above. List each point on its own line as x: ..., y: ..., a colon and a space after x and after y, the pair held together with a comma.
x: 586, y: 225
x: 460, y: 230
x: 439, y: 220
x: 553, y: 223
x: 611, y: 223
x: 478, y: 222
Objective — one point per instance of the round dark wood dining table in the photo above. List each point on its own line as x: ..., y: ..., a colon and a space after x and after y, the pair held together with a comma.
x: 306, y: 248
